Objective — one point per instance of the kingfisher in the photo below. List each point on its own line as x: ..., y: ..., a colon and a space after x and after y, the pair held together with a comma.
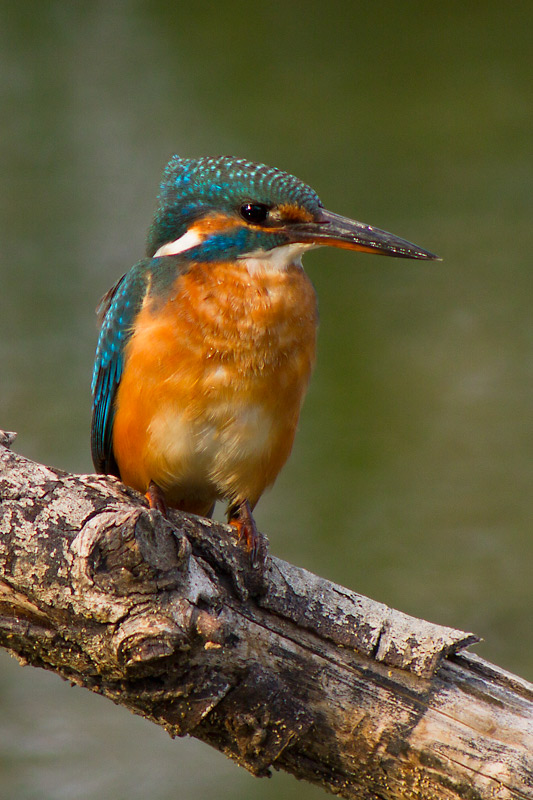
x: 207, y: 344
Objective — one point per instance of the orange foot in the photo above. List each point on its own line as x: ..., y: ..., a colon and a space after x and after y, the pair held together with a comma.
x: 240, y: 518
x: 156, y: 498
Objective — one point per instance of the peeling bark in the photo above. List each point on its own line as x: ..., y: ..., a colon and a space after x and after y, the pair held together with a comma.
x: 277, y: 669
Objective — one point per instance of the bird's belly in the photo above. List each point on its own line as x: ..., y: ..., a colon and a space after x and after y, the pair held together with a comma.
x: 227, y: 451
x: 213, y: 385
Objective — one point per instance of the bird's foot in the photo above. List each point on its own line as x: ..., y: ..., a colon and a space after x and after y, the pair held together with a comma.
x: 240, y: 518
x: 156, y: 498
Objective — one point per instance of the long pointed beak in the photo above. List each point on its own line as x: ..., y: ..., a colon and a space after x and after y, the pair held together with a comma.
x: 337, y: 231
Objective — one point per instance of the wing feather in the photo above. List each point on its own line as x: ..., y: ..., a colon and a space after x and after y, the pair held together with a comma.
x: 117, y: 309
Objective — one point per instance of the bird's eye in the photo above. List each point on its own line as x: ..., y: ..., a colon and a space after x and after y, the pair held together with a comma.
x: 254, y: 212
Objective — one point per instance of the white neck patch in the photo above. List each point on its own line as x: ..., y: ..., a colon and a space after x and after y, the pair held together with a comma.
x: 190, y: 239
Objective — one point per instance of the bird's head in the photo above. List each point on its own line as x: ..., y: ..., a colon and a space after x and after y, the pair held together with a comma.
x: 224, y: 208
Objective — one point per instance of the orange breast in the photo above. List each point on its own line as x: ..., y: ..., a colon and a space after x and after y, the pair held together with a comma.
x: 213, y: 382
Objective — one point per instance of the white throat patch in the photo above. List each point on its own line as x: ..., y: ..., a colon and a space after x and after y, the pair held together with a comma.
x: 277, y: 259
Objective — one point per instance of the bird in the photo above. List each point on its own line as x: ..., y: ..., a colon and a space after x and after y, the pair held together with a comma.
x: 208, y: 343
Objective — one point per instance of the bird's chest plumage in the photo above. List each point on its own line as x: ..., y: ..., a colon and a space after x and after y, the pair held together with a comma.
x: 215, y: 374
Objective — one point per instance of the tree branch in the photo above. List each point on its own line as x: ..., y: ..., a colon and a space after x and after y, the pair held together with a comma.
x: 283, y: 669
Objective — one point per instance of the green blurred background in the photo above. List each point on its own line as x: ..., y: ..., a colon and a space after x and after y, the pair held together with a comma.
x: 411, y: 477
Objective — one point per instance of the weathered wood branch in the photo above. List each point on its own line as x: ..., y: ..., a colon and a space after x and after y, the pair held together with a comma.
x: 284, y: 670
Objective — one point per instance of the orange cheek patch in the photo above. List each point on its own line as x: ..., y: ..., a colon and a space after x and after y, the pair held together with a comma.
x: 214, y: 223
x: 292, y: 213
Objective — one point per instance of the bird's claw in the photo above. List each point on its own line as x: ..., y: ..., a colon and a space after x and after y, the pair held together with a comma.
x: 156, y: 498
x: 242, y: 521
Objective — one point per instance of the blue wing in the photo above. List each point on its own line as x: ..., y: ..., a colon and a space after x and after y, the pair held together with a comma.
x: 118, y: 309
